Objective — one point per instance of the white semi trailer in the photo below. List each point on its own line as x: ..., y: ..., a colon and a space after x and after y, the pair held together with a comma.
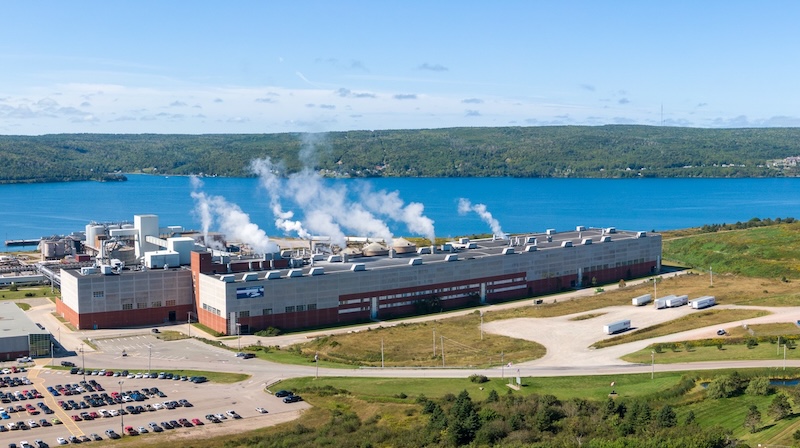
x: 641, y: 300
x: 677, y: 301
x: 616, y: 327
x: 703, y: 302
x: 662, y: 302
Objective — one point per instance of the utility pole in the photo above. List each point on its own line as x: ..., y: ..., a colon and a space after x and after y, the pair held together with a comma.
x: 121, y: 415
x: 382, y: 353
x: 442, y: 351
x: 434, y: 342
x: 784, y: 356
x: 316, y: 361
x: 653, y: 362
x: 481, y: 326
x: 711, y: 274
x: 83, y: 362
x: 149, y: 357
x: 239, y: 336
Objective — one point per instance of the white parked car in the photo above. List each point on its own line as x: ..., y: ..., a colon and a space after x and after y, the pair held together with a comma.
x: 61, y: 441
x: 261, y: 410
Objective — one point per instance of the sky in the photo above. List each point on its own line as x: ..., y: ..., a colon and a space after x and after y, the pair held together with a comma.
x: 200, y: 67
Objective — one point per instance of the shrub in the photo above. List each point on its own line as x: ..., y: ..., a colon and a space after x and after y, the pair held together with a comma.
x: 478, y: 378
x: 271, y: 331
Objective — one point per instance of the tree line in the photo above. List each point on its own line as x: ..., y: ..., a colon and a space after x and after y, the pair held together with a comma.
x: 614, y: 151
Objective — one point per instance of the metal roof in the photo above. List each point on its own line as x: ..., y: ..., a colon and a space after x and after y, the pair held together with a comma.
x: 14, y: 321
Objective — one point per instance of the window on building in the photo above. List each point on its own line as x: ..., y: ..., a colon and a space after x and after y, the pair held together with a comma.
x: 171, y: 302
x: 127, y: 306
x: 156, y: 304
x: 290, y: 309
x: 140, y: 305
x: 98, y: 294
x: 312, y: 306
x: 266, y: 311
x: 244, y: 313
x: 301, y: 308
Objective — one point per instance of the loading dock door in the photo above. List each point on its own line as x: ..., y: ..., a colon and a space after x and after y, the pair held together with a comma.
x: 172, y: 316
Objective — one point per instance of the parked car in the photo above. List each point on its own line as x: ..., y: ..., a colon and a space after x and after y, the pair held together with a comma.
x: 292, y: 399
x: 283, y: 393
x: 261, y: 410
x: 67, y: 363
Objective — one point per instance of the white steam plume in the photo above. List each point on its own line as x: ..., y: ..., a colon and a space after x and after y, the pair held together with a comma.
x: 202, y: 209
x: 389, y: 204
x: 231, y: 220
x: 465, y: 206
x: 268, y: 176
x: 328, y: 209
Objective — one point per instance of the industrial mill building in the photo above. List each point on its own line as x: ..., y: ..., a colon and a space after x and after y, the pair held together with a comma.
x: 232, y: 293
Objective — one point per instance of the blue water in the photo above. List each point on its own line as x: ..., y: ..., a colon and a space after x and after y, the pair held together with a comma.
x: 520, y: 205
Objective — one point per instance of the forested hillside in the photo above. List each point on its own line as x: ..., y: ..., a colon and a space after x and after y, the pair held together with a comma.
x: 553, y: 151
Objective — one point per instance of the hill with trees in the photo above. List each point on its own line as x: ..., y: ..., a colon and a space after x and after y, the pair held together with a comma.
x: 615, y: 151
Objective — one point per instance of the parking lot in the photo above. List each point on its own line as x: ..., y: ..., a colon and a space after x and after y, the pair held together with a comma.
x: 178, y: 399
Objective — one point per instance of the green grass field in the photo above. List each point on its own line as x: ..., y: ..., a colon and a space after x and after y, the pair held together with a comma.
x: 763, y: 351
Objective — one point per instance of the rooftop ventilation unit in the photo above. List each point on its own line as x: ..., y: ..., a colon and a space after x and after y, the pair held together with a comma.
x: 273, y: 275
x: 227, y: 278
x: 530, y: 240
x: 451, y: 257
x: 358, y: 267
x: 586, y: 241
x: 605, y: 239
x: 295, y: 273
x: 530, y: 248
x: 551, y: 231
x: 250, y: 277
x: 317, y: 271
x: 508, y: 251
x: 580, y: 228
x: 641, y: 234
x: 566, y: 244
x: 335, y: 259
x: 423, y: 250
x: 415, y: 261
x: 611, y: 230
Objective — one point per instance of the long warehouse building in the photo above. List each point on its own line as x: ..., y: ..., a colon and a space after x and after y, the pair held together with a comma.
x: 232, y: 295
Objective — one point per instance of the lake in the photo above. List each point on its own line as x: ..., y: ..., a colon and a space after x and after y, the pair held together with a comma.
x: 518, y: 205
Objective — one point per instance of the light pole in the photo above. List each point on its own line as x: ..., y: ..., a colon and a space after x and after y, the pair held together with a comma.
x: 784, y: 356
x: 149, y: 357
x: 189, y: 322
x: 238, y: 337
x: 52, y: 355
x: 83, y: 362
x: 653, y: 362
x: 121, y: 416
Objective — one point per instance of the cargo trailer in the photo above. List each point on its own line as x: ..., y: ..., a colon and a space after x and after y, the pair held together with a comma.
x: 616, y: 327
x: 662, y: 302
x: 677, y: 301
x: 703, y: 302
x: 641, y: 300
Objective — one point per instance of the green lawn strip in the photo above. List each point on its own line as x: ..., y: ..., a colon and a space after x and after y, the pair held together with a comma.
x: 786, y: 299
x: 23, y: 306
x: 697, y: 320
x: 170, y: 335
x: 762, y: 330
x: 64, y: 321
x: 24, y: 292
x: 739, y: 352
x: 589, y: 387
